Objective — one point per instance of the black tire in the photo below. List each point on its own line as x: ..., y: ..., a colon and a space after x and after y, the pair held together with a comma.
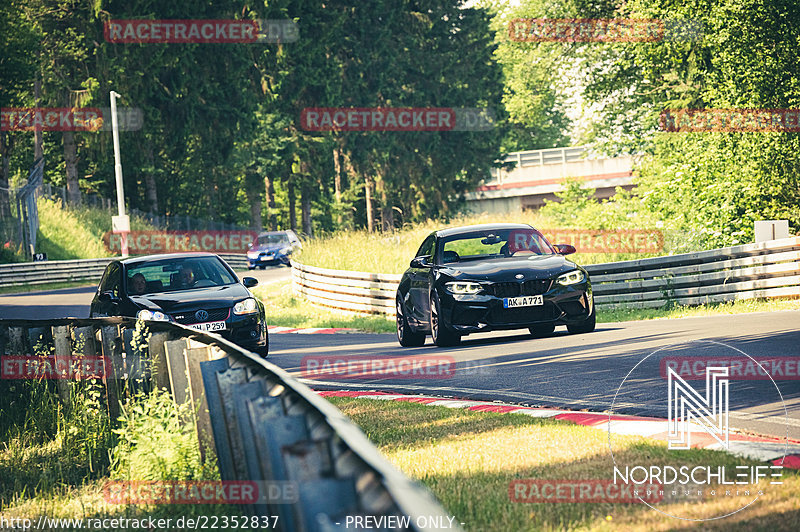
x: 263, y: 267
x: 251, y: 267
x: 542, y: 329
x: 440, y: 334
x: 264, y: 351
x: 406, y: 336
x: 585, y: 327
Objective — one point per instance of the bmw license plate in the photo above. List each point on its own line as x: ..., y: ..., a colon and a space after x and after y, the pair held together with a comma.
x: 209, y: 326
x: 524, y: 301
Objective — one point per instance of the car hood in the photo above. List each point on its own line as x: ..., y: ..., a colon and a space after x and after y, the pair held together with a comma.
x: 181, y: 300
x: 504, y: 269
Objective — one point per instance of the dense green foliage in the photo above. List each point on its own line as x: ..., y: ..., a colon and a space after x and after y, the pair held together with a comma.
x: 222, y: 136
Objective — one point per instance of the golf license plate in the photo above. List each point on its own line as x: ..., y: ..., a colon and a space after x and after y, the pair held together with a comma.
x: 524, y: 301
x: 209, y: 326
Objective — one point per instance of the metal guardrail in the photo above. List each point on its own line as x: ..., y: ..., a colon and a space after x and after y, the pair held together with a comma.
x: 524, y: 159
x: 751, y: 271
x: 765, y: 270
x: 56, y: 271
x: 263, y: 424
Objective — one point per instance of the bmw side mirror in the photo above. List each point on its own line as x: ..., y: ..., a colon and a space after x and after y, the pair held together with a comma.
x: 249, y: 282
x: 565, y: 249
x: 420, y: 262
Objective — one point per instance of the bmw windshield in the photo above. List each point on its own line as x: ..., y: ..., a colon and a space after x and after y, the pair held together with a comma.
x: 495, y: 244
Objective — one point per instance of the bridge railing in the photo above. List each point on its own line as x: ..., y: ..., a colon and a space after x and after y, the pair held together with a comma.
x: 765, y: 270
x: 57, y: 271
x: 264, y: 426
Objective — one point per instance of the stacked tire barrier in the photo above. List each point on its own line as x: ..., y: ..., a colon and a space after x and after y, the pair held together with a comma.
x: 264, y: 426
x: 61, y: 271
x: 765, y: 270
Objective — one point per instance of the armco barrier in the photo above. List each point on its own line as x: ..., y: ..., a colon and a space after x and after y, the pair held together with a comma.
x: 764, y: 270
x: 56, y: 271
x: 263, y: 424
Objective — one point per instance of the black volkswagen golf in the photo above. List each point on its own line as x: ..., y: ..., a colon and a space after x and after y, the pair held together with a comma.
x: 491, y: 277
x: 198, y: 290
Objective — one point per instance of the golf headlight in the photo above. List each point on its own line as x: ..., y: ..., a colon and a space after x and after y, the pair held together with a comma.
x: 461, y: 287
x: 150, y: 315
x: 573, y: 277
x: 246, y: 306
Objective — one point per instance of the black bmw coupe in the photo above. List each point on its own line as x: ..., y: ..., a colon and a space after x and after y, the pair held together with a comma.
x: 198, y: 290
x: 491, y: 277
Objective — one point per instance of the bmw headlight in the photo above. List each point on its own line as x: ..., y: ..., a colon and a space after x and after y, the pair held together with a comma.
x: 246, y: 306
x: 573, y: 277
x: 150, y: 315
x: 463, y: 287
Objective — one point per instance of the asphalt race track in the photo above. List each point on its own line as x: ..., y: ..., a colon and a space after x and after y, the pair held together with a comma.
x: 562, y: 370
x: 74, y: 302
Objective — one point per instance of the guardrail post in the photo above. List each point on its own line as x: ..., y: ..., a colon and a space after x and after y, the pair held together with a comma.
x: 205, y: 435
x: 112, y: 352
x: 159, y: 372
x: 176, y: 368
x: 16, y: 341
x: 62, y: 358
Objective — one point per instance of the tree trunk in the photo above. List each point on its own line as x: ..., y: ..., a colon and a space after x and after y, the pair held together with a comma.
x: 273, y: 216
x: 71, y: 164
x: 292, y: 214
x: 5, y: 195
x: 151, y: 192
x: 305, y: 209
x: 255, y: 212
x: 37, y: 132
x: 368, y: 187
x: 387, y: 213
x: 337, y: 185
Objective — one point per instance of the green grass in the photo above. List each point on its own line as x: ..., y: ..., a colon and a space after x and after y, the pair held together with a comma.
x: 56, y: 461
x: 714, y: 309
x: 285, y: 310
x: 71, y: 233
x: 391, y: 252
x: 467, y: 459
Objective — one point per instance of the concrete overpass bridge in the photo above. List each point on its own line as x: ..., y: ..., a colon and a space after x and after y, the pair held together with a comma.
x: 538, y: 175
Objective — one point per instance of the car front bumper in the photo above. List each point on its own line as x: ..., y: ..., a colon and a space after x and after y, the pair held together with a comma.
x: 563, y: 305
x: 267, y: 260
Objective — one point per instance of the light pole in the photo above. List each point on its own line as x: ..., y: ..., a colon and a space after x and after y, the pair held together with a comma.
x: 120, y: 223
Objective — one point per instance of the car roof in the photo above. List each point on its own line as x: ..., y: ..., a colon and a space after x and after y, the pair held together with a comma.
x: 267, y: 233
x: 450, y: 231
x: 166, y: 256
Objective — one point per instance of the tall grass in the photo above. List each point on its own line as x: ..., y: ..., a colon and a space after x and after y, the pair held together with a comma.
x: 391, y: 252
x: 75, y: 232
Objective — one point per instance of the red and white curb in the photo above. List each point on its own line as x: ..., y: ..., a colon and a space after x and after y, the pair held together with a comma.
x: 274, y: 329
x: 765, y: 449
